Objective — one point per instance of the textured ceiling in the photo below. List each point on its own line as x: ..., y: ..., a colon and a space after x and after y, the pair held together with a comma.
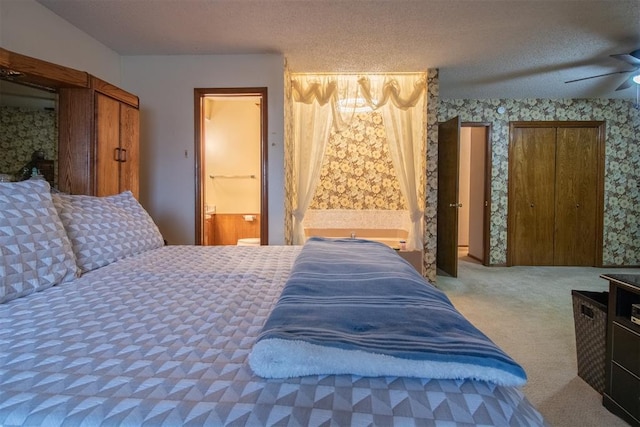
x: 483, y: 48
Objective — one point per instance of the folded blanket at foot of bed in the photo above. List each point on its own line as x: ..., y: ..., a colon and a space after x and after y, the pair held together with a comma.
x: 355, y: 307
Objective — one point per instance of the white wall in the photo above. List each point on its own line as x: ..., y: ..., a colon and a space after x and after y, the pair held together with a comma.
x: 477, y: 164
x: 28, y: 28
x: 463, y: 186
x: 165, y: 86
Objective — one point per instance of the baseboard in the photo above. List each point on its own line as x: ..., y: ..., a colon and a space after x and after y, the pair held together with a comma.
x: 620, y: 266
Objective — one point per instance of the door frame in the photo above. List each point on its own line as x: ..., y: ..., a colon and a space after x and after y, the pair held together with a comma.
x: 486, y: 221
x: 601, y: 126
x: 199, y: 95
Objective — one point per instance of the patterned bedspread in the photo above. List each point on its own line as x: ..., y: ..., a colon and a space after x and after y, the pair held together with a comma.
x: 163, y: 338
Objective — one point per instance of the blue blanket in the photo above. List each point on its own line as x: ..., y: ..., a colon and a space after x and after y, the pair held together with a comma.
x: 355, y: 307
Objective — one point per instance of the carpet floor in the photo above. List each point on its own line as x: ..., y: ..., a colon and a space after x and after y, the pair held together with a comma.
x: 528, y: 312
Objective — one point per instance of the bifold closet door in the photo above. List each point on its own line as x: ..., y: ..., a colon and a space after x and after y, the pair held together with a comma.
x: 576, y: 196
x: 532, y: 195
x: 555, y: 193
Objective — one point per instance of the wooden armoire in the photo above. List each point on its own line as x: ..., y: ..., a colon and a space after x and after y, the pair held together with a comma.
x: 556, y: 175
x: 98, y: 152
x: 98, y: 126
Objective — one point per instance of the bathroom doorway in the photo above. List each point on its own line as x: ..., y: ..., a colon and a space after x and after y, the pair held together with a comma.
x: 231, y: 164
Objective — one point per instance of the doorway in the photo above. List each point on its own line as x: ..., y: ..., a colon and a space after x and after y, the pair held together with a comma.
x: 464, y: 193
x: 474, y: 191
x: 231, y: 166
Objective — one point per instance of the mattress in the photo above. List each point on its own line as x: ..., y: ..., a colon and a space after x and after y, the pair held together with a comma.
x: 162, y: 338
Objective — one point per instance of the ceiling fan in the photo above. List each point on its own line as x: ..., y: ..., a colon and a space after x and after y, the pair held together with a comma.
x: 631, y: 58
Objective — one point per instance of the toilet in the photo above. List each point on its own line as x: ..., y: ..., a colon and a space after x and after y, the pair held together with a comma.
x: 249, y: 241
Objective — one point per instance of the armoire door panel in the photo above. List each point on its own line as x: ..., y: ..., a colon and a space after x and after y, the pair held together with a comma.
x: 107, y: 145
x: 129, y: 143
x: 576, y: 196
x: 533, y: 175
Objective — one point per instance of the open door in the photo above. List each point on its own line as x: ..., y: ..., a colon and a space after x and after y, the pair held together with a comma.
x: 448, y: 204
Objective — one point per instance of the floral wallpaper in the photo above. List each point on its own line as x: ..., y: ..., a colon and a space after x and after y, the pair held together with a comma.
x: 621, y: 234
x: 23, y: 131
x: 431, y: 182
x: 357, y: 172
x: 288, y: 158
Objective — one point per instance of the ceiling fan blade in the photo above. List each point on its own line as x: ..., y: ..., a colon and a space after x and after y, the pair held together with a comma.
x: 599, y: 75
x: 628, y: 58
x: 627, y: 83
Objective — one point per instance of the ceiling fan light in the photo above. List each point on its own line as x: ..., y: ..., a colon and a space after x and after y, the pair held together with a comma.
x: 636, y: 79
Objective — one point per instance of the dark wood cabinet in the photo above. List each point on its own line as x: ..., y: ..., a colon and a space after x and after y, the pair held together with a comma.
x: 555, y: 193
x: 622, y: 364
x: 414, y: 258
x: 98, y: 149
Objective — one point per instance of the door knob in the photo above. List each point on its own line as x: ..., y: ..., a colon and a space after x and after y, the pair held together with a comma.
x: 455, y: 205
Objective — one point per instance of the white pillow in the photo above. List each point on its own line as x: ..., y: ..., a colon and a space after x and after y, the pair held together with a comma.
x: 105, y: 229
x: 36, y: 252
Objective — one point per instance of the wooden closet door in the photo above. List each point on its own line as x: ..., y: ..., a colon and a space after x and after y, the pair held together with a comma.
x: 576, y: 196
x: 107, y: 144
x: 532, y: 171
x: 129, y: 144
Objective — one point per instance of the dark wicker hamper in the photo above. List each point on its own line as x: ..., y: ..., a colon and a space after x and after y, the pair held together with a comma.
x: 590, y: 317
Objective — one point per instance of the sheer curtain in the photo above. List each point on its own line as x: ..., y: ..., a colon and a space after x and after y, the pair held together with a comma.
x: 312, y: 125
x: 404, y: 121
x: 325, y: 100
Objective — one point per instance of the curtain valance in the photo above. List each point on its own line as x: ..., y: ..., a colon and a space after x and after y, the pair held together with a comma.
x: 371, y: 90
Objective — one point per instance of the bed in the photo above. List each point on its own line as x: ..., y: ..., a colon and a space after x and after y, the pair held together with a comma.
x: 108, y: 326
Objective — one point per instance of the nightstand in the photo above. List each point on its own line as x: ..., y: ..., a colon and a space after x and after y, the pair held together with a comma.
x: 622, y: 363
x: 412, y: 257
